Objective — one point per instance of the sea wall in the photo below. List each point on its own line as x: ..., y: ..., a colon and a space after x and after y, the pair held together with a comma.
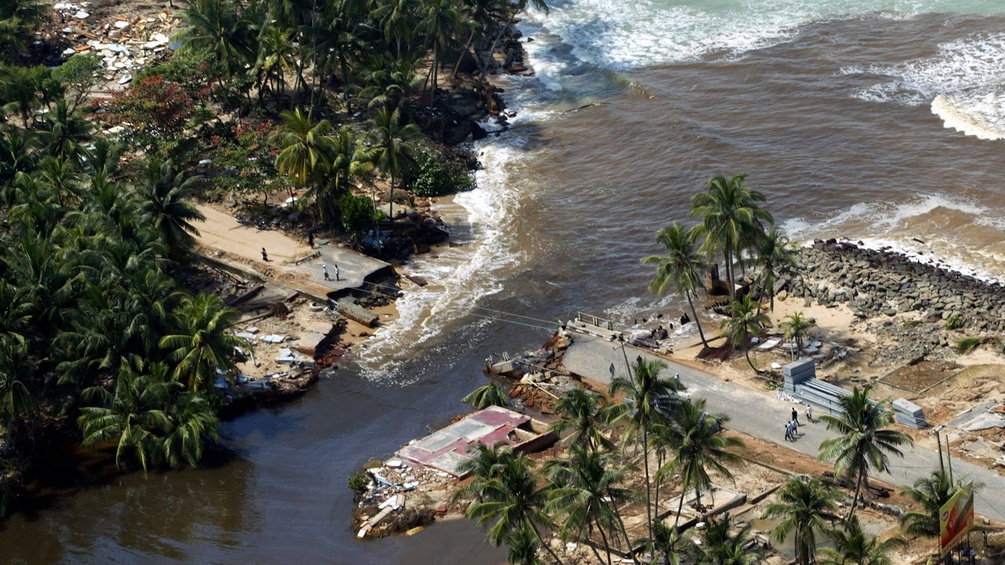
x: 896, y: 296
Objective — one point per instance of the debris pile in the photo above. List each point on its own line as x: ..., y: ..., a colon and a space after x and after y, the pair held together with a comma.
x: 126, y: 45
x: 400, y: 498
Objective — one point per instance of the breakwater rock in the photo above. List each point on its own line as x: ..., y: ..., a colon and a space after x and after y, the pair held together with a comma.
x: 925, y: 308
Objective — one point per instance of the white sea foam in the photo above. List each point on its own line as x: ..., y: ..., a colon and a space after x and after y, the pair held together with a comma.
x: 964, y: 83
x: 624, y: 34
x: 930, y: 229
x: 459, y: 276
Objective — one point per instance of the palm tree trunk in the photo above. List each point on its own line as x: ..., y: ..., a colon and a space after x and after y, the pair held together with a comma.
x: 390, y: 202
x: 854, y: 499
x: 680, y: 507
x: 645, y: 463
x: 728, y: 255
x: 696, y: 321
x: 436, y: 71
x: 463, y: 53
x: 621, y: 525
x: 607, y: 544
x: 746, y: 352
x: 545, y: 545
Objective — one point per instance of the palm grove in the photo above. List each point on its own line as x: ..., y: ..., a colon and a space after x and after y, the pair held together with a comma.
x: 642, y: 441
x: 96, y: 328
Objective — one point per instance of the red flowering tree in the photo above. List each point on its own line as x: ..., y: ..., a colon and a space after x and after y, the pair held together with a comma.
x: 156, y: 110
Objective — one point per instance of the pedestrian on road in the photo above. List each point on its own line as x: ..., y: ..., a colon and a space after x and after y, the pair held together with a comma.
x: 809, y: 413
x: 677, y: 377
x: 336, y: 273
x: 789, y: 436
x: 795, y: 416
x: 265, y: 256
x: 310, y: 239
x: 324, y: 269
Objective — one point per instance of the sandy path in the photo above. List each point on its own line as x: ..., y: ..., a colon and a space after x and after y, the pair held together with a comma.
x: 221, y: 231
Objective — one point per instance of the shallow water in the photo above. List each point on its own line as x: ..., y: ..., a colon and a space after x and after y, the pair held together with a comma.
x: 845, y: 114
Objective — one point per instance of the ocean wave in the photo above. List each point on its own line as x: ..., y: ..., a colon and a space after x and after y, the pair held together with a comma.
x: 936, y: 229
x: 964, y: 83
x: 628, y: 34
x: 459, y: 275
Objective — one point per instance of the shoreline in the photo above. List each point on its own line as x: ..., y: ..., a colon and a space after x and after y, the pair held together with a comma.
x: 862, y: 342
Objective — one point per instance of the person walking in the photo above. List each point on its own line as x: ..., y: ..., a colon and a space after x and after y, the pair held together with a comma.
x: 310, y: 239
x: 336, y: 273
x: 788, y: 431
x: 265, y: 256
x: 795, y: 416
x: 809, y: 413
x: 324, y: 269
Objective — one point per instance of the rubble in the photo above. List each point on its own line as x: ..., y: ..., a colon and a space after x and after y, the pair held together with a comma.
x: 125, y: 45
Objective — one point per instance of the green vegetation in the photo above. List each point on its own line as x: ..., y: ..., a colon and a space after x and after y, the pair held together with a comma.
x: 485, y: 396
x: 803, y: 504
x: 955, y: 322
x: 967, y: 344
x: 321, y: 99
x: 796, y: 328
x: 437, y: 178
x: 864, y: 441
x: 731, y: 225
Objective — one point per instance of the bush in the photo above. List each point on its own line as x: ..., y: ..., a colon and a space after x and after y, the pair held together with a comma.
x: 437, y: 178
x: 358, y: 213
x: 954, y: 322
x: 359, y: 482
x: 967, y: 344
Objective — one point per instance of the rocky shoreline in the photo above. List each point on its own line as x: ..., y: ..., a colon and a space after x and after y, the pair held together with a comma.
x: 923, y: 308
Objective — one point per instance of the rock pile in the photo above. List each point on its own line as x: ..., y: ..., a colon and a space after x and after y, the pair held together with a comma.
x: 880, y: 285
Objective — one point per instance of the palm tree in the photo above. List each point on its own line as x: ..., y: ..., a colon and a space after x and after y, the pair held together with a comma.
x: 746, y: 321
x: 485, y: 396
x: 18, y: 18
x: 775, y: 257
x: 698, y: 446
x: 796, y: 328
x: 194, y: 421
x: 931, y: 493
x: 218, y: 27
x: 681, y: 266
x: 664, y: 543
x: 523, y: 547
x: 804, y: 504
x: 164, y: 194
x: 276, y: 58
x: 512, y: 500
x: 391, y: 147
x: 583, y: 413
x: 585, y: 492
x: 18, y: 397
x: 853, y: 547
x: 730, y: 219
x: 397, y: 20
x: 134, y: 416
x: 644, y: 387
x: 863, y: 441
x: 440, y: 21
x: 306, y: 148
x: 388, y: 82
x: 721, y: 547
x: 202, y: 343
x: 64, y: 132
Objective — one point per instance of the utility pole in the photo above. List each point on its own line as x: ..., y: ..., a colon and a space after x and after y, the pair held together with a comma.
x: 938, y: 438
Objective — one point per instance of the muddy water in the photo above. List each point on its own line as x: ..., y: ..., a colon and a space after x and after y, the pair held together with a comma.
x: 851, y: 122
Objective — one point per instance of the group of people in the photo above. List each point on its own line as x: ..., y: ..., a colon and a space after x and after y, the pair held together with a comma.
x: 793, y: 424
